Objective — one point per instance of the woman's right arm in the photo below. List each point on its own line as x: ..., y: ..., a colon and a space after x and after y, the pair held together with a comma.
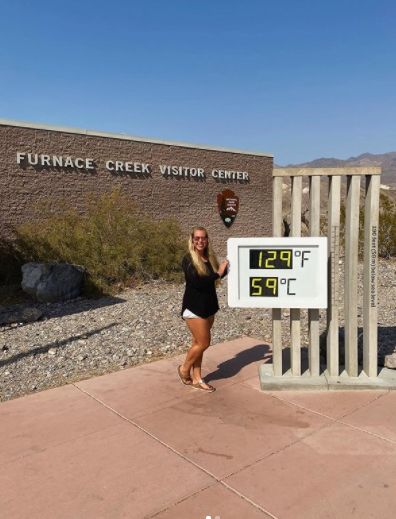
x: 223, y: 268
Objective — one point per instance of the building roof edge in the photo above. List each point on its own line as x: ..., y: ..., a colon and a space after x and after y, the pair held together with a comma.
x: 93, y: 133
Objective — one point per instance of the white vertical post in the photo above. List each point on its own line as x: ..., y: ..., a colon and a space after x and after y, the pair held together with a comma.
x: 370, y: 317
x: 350, y: 279
x: 313, y: 313
x: 277, y: 312
x: 333, y: 222
x: 295, y: 325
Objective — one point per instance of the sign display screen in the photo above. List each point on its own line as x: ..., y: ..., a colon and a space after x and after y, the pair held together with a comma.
x: 271, y: 258
x: 263, y: 287
x: 277, y: 272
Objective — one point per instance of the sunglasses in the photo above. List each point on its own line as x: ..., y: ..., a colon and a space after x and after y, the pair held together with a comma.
x: 200, y: 238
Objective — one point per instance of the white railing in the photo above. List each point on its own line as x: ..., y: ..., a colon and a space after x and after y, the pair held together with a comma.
x: 371, y: 210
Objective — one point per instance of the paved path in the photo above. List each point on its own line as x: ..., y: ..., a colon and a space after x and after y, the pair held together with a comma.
x: 139, y: 444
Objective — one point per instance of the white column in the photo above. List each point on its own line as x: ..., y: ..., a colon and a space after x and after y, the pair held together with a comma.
x: 295, y: 325
x: 277, y: 312
x: 370, y: 312
x: 333, y: 223
x: 313, y: 313
x: 350, y: 279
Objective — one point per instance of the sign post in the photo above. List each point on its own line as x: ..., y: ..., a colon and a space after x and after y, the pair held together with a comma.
x: 292, y: 272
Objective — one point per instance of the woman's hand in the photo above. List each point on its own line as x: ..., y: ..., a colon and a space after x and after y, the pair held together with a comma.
x: 223, y: 267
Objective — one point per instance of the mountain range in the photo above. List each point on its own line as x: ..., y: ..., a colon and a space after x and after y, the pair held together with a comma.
x: 387, y: 161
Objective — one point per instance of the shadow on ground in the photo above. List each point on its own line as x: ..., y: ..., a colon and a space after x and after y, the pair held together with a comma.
x: 14, y: 313
x: 386, y: 344
x: 230, y: 367
x: 55, y: 345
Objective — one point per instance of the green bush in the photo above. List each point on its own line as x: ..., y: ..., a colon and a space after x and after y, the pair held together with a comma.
x: 386, y: 227
x: 116, y: 243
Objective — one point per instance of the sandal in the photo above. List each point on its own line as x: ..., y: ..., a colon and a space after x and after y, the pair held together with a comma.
x: 198, y: 385
x: 185, y: 381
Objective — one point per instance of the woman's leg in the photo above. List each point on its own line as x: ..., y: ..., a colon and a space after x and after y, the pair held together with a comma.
x: 198, y: 362
x: 200, y: 330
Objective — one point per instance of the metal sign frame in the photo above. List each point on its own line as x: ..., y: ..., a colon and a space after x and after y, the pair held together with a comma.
x: 301, y: 285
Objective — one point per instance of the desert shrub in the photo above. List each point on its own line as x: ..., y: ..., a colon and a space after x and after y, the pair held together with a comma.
x: 386, y: 227
x: 113, y: 240
x: 10, y: 263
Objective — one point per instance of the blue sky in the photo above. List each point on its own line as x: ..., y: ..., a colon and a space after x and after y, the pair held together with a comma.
x: 299, y: 79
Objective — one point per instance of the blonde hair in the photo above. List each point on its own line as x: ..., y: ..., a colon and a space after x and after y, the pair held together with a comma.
x: 197, y: 260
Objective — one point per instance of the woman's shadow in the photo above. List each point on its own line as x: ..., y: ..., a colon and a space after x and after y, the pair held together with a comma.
x: 229, y: 368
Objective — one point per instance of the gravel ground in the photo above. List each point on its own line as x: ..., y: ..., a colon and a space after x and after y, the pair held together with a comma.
x: 82, y: 338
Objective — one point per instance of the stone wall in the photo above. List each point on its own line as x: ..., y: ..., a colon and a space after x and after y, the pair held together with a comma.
x: 191, y: 200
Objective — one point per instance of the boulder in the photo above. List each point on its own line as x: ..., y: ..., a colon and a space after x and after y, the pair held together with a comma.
x: 51, y: 282
x: 390, y: 361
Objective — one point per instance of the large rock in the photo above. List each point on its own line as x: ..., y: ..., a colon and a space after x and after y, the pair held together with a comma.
x: 390, y: 361
x: 51, y: 282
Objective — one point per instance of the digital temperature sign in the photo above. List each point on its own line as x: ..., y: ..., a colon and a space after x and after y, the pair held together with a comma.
x: 277, y: 272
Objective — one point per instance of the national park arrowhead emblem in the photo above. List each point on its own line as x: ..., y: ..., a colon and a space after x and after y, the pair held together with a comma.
x: 228, y: 204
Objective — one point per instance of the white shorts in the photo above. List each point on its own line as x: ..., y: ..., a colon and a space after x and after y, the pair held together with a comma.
x: 187, y: 314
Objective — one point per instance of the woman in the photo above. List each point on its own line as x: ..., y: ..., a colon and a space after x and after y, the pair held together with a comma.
x: 201, y: 270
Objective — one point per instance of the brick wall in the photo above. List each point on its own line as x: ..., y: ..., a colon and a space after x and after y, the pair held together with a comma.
x: 192, y: 201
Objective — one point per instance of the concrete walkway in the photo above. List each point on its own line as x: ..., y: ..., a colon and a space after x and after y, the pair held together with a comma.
x: 139, y: 444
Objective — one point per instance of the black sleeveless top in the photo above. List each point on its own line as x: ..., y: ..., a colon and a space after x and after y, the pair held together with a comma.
x: 200, y: 294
